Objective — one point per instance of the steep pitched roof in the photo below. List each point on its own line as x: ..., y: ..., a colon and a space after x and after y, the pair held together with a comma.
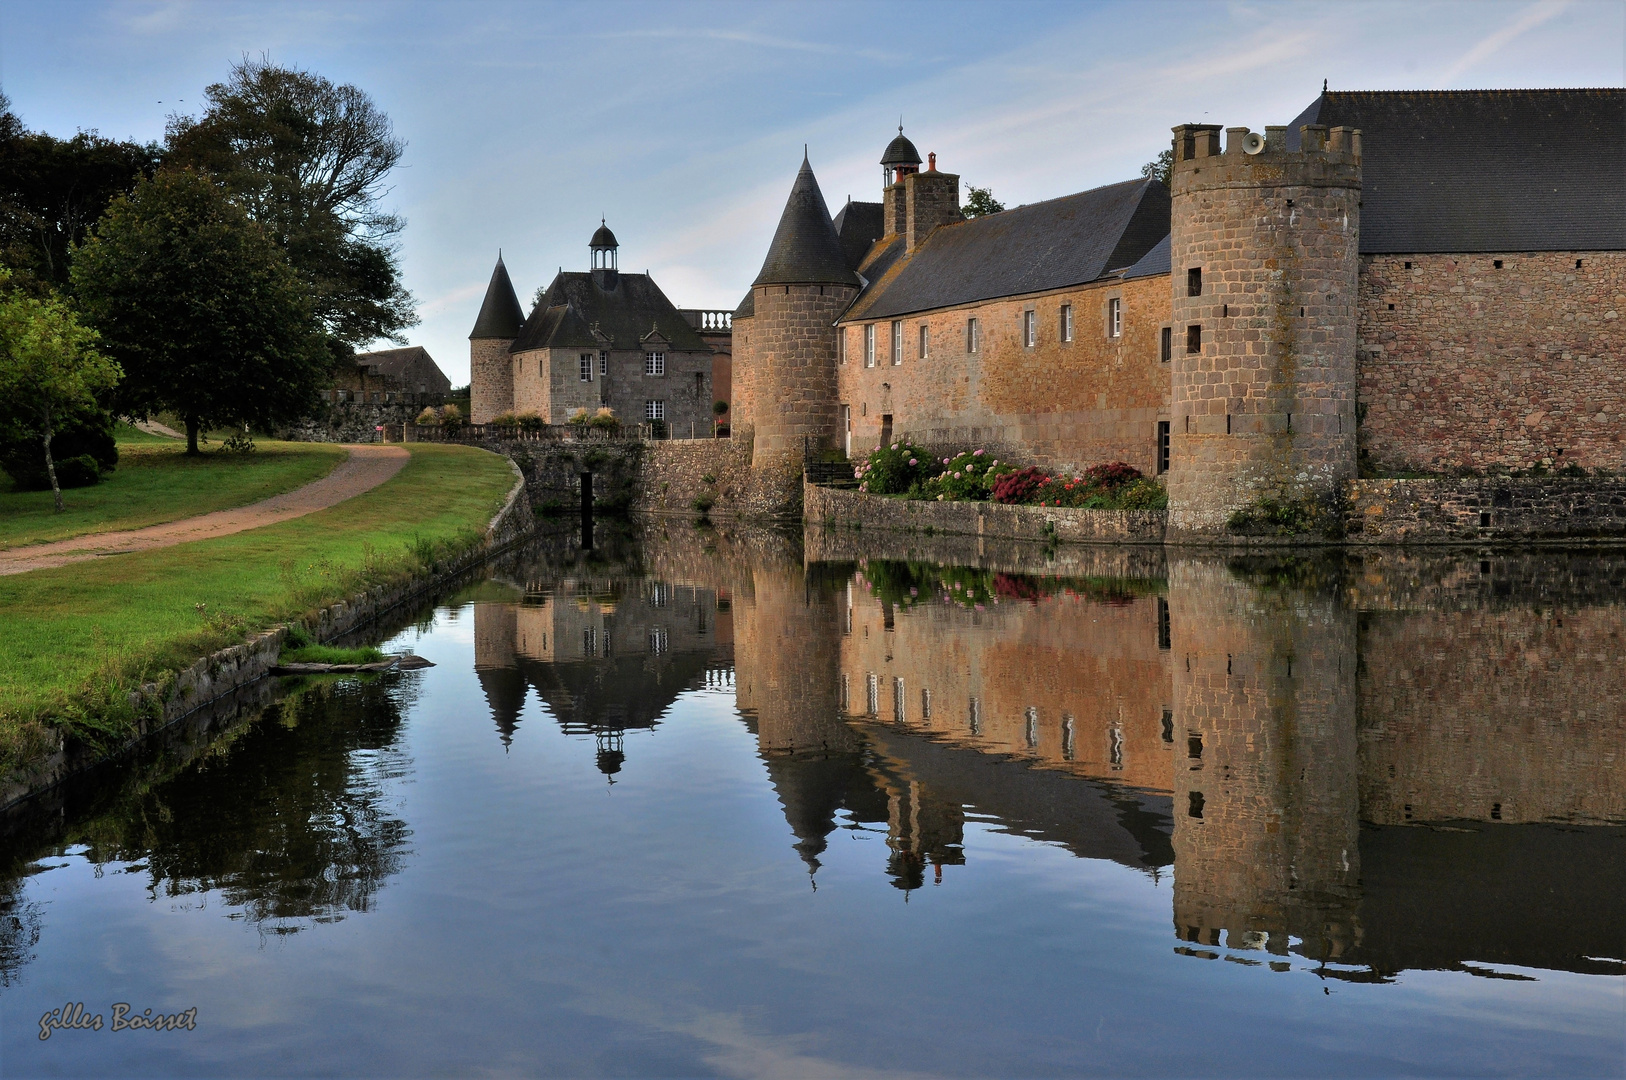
x: 1048, y: 245
x: 748, y: 306
x: 624, y: 313
x: 500, y: 314
x: 1154, y: 262
x: 403, y: 365
x: 805, y: 248
x: 859, y: 225
x: 1485, y: 170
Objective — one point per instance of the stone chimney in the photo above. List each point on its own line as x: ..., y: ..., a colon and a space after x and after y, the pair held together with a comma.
x: 931, y: 198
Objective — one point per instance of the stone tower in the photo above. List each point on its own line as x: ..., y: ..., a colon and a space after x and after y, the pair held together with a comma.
x: 491, y: 372
x: 1263, y: 261
x: 790, y: 367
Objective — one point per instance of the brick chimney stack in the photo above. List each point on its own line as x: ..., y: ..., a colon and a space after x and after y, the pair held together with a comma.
x: 931, y: 198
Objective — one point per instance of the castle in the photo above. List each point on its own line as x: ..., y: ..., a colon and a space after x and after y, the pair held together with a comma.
x: 1400, y: 281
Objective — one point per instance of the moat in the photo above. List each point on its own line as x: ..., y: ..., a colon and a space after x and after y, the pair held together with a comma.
x: 710, y: 801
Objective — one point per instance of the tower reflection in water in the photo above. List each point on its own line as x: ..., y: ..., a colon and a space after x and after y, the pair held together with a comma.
x: 1378, y: 764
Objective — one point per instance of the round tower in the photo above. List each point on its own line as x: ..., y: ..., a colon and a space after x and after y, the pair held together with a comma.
x: 491, y: 371
x: 789, y: 369
x: 1263, y: 256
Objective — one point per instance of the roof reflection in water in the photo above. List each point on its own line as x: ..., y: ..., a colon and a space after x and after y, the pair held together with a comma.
x: 1379, y: 762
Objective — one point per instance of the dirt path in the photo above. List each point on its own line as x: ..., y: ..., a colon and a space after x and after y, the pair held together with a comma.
x: 365, y: 468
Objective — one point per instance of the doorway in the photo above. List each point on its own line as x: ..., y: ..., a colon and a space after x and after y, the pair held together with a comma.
x: 886, y: 429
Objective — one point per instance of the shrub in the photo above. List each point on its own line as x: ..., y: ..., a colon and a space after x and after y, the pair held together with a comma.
x: 657, y: 429
x: 451, y: 415
x: 1113, y: 475
x: 718, y: 408
x: 429, y: 417
x: 722, y: 431
x: 1019, y: 486
x: 704, y: 501
x: 1288, y: 517
x: 893, y: 470
x: 529, y: 421
x: 506, y: 419
x: 606, y: 421
x: 82, y: 449
x: 579, y: 418
x: 967, y: 476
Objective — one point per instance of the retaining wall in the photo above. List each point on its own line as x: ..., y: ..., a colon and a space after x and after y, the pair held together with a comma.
x: 227, y: 670
x: 841, y: 509
x: 1485, y: 510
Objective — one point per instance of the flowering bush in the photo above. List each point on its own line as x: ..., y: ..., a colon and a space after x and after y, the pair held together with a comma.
x: 1019, y: 486
x: 893, y: 470
x: 968, y: 476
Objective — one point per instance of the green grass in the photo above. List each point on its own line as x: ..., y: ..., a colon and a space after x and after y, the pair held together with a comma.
x: 331, y: 654
x: 156, y: 482
x: 76, y: 639
x: 128, y: 434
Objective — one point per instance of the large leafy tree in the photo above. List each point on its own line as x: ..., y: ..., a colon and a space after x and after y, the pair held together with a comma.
x: 50, y: 371
x: 308, y: 160
x: 980, y: 201
x: 52, y: 190
x: 200, y: 308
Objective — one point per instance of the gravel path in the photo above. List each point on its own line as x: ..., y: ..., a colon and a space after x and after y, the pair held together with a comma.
x: 365, y: 468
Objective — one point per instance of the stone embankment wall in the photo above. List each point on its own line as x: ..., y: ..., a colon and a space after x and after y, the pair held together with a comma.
x: 840, y: 509
x: 680, y: 475
x: 553, y: 471
x: 1485, y: 510
x: 1493, y: 359
x: 351, y: 421
x: 227, y: 670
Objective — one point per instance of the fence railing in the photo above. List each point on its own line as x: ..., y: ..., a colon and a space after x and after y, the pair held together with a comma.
x: 708, y: 321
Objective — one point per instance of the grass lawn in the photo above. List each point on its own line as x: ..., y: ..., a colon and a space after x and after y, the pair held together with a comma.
x: 75, y: 640
x: 156, y: 482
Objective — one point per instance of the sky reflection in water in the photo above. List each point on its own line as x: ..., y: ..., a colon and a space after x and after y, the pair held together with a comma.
x: 721, y: 802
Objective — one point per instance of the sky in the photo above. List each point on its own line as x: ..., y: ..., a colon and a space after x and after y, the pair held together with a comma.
x: 683, y: 125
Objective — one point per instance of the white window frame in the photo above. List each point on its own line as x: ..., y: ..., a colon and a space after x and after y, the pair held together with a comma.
x: 603, y: 364
x: 1067, y: 322
x: 897, y: 342
x: 925, y: 340
x: 584, y: 367
x: 1030, y: 328
x: 1115, y: 317
x: 654, y: 363
x: 973, y: 335
x: 869, y: 345
x: 841, y: 346
x: 655, y: 409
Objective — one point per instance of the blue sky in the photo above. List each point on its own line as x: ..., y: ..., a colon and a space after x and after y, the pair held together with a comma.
x: 684, y: 124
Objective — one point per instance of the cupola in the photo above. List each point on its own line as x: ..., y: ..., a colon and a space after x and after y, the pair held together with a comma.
x: 603, y: 251
x: 901, y: 159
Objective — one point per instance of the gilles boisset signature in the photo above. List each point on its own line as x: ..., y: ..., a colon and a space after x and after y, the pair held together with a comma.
x: 73, y: 1016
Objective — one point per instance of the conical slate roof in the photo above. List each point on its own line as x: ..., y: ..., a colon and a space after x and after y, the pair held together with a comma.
x: 500, y: 315
x: 805, y: 248
x: 900, y: 151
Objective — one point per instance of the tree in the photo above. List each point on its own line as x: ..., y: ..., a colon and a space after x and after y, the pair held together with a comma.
x: 308, y: 160
x: 200, y: 308
x: 49, y: 368
x: 1159, y: 167
x: 52, y: 190
x: 980, y: 201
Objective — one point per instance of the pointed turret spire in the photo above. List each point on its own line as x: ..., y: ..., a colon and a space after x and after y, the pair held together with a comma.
x: 500, y: 314
x: 805, y: 248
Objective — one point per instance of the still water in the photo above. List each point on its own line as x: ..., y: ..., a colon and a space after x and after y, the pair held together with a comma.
x: 706, y: 802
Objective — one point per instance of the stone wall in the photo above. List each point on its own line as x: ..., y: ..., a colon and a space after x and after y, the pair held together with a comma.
x: 1264, y: 256
x: 1485, y: 510
x: 357, y: 421
x: 1065, y: 405
x: 1483, y: 360
x: 491, y: 379
x: 792, y: 363
x: 680, y: 475
x: 553, y: 471
x: 836, y: 508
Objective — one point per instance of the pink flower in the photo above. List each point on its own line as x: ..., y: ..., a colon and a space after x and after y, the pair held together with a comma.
x: 912, y: 461
x: 977, y: 454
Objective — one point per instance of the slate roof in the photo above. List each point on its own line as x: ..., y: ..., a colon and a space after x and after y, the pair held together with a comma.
x: 1047, y: 245
x: 602, y: 237
x: 1153, y: 263
x: 1485, y: 170
x: 900, y: 151
x: 805, y: 248
x: 500, y: 315
x: 625, y: 313
x: 405, y: 366
x: 748, y: 306
x: 858, y: 226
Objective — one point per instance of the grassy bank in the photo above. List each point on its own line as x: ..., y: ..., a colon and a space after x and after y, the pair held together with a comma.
x: 156, y: 482
x: 76, y: 639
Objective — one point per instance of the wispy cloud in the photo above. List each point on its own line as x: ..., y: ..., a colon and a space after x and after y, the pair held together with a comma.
x: 1532, y: 17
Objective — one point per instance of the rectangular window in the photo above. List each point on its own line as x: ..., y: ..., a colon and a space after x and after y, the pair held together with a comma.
x: 657, y: 640
x: 975, y: 716
x: 841, y: 346
x: 923, y: 337
x: 1067, y: 743
x: 873, y: 695
x: 655, y: 363
x: 585, y: 367
x: 846, y: 691
x: 1030, y: 328
x: 1162, y: 447
x: 1067, y: 322
x: 869, y: 345
x: 654, y: 410
x: 603, y: 363
x: 897, y: 343
x: 1115, y: 317
x: 972, y: 338
x: 1032, y: 729
x: 1194, y: 340
x: 1165, y: 351
x: 898, y: 700
x: 925, y: 704
x: 1194, y: 281
x: 589, y: 642
x: 1165, y: 638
